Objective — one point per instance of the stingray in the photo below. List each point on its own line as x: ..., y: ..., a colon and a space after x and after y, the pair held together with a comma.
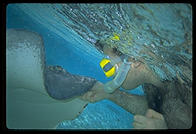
x: 38, y: 96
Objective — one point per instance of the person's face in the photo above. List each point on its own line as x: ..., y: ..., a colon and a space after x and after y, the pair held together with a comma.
x: 110, y: 52
x: 107, y: 50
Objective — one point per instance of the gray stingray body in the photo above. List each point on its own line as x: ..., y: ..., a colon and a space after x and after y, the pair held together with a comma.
x: 61, y: 85
x: 34, y: 93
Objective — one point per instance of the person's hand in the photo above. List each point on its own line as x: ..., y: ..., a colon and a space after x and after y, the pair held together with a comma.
x: 152, y: 120
x: 96, y: 94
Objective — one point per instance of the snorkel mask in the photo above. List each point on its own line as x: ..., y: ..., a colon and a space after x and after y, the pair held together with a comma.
x: 110, y: 68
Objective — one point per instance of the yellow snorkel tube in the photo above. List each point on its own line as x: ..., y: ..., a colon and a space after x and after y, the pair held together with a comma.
x: 108, y: 69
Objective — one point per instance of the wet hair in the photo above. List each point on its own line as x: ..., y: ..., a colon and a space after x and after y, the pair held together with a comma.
x: 117, y: 52
x: 100, y: 46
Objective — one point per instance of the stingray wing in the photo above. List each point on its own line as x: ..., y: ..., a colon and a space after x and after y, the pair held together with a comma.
x: 27, y: 103
x: 28, y: 109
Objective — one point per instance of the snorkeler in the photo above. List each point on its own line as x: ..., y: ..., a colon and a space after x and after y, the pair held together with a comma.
x: 160, y: 96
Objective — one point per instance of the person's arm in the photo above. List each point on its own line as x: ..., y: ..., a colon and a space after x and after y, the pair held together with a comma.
x: 134, y: 104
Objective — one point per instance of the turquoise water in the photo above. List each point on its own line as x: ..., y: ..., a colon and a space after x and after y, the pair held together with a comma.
x: 59, y: 51
x: 155, y: 28
x: 156, y: 33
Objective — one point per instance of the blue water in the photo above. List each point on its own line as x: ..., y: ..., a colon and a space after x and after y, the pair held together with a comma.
x: 59, y: 51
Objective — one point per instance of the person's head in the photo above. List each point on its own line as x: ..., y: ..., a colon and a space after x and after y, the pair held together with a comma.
x: 114, y: 52
x: 107, y: 50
